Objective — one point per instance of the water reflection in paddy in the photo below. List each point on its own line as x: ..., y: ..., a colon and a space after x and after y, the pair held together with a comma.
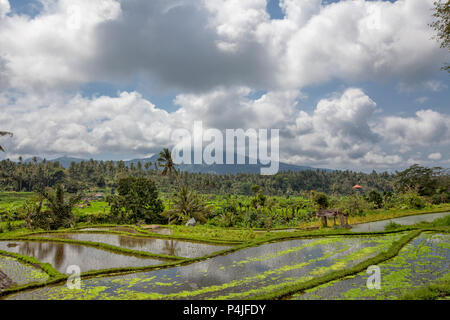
x: 62, y: 255
x: 169, y: 247
x: 241, y: 274
x: 409, y: 220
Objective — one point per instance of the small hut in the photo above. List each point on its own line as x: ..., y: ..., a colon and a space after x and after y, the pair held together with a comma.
x: 332, y: 213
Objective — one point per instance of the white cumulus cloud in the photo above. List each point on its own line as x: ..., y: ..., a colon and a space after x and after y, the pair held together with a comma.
x: 435, y: 156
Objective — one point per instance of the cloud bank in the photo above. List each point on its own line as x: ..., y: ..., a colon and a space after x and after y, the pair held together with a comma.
x: 216, y: 54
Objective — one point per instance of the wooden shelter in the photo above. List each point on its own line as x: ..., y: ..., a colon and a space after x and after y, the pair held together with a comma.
x: 332, y: 213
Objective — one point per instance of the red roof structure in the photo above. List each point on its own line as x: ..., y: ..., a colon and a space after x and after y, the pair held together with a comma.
x: 357, y: 186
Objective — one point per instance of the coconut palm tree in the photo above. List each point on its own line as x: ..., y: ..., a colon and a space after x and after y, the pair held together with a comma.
x: 166, y: 162
x: 187, y: 204
x: 4, y: 133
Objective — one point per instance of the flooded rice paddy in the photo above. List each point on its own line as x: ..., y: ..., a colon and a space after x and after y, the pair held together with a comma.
x: 168, y: 247
x: 21, y: 273
x: 62, y: 255
x: 424, y: 260
x: 238, y: 275
x: 409, y: 220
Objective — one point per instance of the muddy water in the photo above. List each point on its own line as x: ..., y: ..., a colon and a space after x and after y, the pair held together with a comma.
x: 238, y: 275
x: 159, y: 246
x: 380, y: 225
x: 62, y: 255
x: 424, y: 260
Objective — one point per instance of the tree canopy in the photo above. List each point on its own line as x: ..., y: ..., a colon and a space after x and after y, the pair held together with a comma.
x: 137, y: 201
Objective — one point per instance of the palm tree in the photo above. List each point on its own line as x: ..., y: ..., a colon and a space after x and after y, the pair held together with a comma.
x: 187, y: 204
x: 4, y: 133
x: 166, y: 162
x: 60, y: 206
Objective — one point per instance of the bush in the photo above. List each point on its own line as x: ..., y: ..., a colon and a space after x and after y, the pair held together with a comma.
x: 413, y: 200
x: 376, y: 199
x: 441, y: 222
x: 253, y: 219
x: 320, y: 199
x: 392, y: 226
x: 354, y: 205
x: 439, y: 198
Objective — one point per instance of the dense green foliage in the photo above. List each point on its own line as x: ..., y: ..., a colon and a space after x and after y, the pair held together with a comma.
x: 59, y: 213
x: 137, y: 201
x: 242, y: 201
x: 99, y: 174
x: 106, y: 174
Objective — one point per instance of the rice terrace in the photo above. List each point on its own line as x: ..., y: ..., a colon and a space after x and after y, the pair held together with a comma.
x: 239, y: 247
x: 224, y: 157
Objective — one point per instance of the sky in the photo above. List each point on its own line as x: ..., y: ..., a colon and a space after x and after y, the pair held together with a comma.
x: 351, y: 84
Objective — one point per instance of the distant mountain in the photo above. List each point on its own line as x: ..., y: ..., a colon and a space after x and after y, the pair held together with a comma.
x: 227, y: 168
x: 199, y: 168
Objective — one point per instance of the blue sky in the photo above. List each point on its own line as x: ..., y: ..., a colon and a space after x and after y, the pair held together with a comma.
x: 196, y: 61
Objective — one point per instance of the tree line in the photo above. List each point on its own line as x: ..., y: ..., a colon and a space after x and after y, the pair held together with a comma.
x: 93, y: 174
